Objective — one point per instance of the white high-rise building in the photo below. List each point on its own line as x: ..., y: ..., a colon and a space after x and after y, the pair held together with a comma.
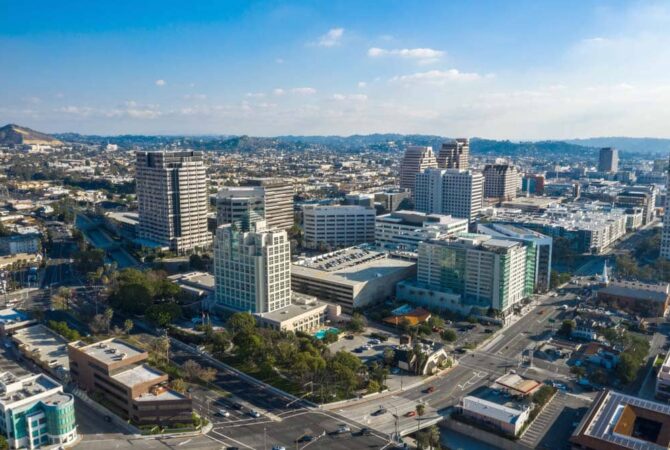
x: 416, y: 160
x: 454, y: 154
x: 172, y: 199
x: 337, y: 226
x: 252, y: 269
x: 665, y: 237
x: 454, y: 192
x: 241, y: 205
x: 404, y: 230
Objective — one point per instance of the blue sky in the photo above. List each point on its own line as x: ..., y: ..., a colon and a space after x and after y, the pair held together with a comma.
x: 499, y: 69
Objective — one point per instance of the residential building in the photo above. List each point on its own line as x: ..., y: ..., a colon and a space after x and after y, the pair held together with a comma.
x: 506, y: 419
x: 471, y: 271
x: 172, y: 199
x: 643, y: 299
x: 352, y: 278
x: 663, y: 380
x: 337, y: 226
x: 117, y: 371
x: 617, y: 421
x: 416, y: 160
x: 240, y: 205
x: 20, y: 243
x: 36, y: 413
x: 538, y: 244
x: 404, y: 230
x: 608, y: 160
x: 454, y: 154
x: 455, y: 192
x: 277, y: 201
x: 252, y: 269
x: 501, y: 181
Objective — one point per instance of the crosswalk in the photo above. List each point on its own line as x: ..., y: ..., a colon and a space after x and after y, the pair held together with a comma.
x: 542, y: 422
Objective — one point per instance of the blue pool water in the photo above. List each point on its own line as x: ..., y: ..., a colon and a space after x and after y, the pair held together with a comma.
x: 322, y: 333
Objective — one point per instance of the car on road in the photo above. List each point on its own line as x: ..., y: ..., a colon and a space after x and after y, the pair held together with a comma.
x: 410, y: 414
x: 224, y: 413
x: 343, y: 429
x: 429, y: 390
x: 305, y: 438
x: 365, y: 431
x: 255, y: 414
x: 380, y: 411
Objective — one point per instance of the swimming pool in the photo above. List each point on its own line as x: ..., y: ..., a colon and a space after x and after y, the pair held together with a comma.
x: 322, y: 333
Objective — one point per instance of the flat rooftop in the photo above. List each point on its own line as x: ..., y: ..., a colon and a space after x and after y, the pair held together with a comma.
x: 111, y: 350
x: 201, y: 280
x: 653, y: 293
x: 502, y: 413
x: 9, y: 316
x: 165, y: 395
x: 622, y: 421
x: 301, y: 305
x: 44, y: 345
x: 137, y: 375
x: 350, y: 266
x: 14, y: 389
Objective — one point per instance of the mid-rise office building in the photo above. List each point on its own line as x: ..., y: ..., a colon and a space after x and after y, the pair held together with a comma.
x: 172, y: 200
x: 36, y: 413
x: 500, y: 181
x: 404, y: 230
x: 355, y: 199
x: 471, y: 271
x: 240, y: 205
x: 252, y: 269
x: 415, y: 161
x: 454, y: 192
x: 391, y: 200
x: 454, y: 154
x: 277, y: 201
x: 608, y: 160
x: 538, y: 245
x: 639, y: 197
x: 117, y: 371
x: 665, y: 237
x: 337, y: 226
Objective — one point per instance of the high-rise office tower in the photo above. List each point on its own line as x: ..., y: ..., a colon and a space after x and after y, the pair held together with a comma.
x: 277, y: 200
x: 665, y: 237
x: 416, y: 160
x: 609, y: 160
x: 500, y: 181
x: 172, y: 199
x: 454, y: 154
x: 252, y: 269
x: 455, y: 192
x: 241, y: 206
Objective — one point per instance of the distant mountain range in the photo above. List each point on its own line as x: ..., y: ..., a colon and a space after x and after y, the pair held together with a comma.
x: 17, y: 135
x: 14, y: 134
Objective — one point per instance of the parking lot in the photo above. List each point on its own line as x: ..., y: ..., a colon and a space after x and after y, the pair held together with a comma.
x: 366, y: 348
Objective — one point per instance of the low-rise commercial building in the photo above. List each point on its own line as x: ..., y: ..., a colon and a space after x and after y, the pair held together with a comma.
x: 45, y: 348
x: 35, y: 412
x: 12, y: 320
x: 352, y: 278
x: 506, y: 419
x: 643, y: 299
x: 20, y: 243
x: 118, y: 372
x: 305, y: 314
x: 618, y: 421
x: 337, y: 226
x: 404, y: 230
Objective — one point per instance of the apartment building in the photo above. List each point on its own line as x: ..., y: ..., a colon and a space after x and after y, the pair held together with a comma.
x: 117, y: 371
x: 36, y: 413
x: 454, y: 192
x: 454, y: 154
x: 337, y: 226
x: 252, y: 268
x: 277, y: 200
x: 501, y: 181
x: 404, y: 230
x: 415, y: 161
x: 172, y: 200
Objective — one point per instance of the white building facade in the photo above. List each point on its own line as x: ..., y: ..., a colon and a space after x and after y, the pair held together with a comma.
x: 337, y: 226
x: 454, y: 192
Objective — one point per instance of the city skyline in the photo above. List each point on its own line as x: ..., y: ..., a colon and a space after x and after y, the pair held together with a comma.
x: 520, y: 71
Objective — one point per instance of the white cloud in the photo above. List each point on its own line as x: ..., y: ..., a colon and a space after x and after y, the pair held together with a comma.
x: 195, y: 97
x: 255, y: 94
x: 160, y: 83
x: 362, y: 84
x: 351, y: 97
x: 303, y: 91
x: 278, y: 91
x: 332, y: 38
x: 423, y: 54
x: 436, y: 77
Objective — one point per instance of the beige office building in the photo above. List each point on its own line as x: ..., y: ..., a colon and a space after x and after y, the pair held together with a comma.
x: 416, y: 160
x: 454, y: 154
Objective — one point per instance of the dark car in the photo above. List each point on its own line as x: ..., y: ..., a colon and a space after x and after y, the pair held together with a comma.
x: 380, y: 411
x: 365, y: 431
x: 238, y: 406
x: 306, y: 438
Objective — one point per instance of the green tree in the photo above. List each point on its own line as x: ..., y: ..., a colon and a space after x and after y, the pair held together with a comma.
x: 357, y: 323
x: 178, y: 385
x: 241, y: 322
x: 163, y: 314
x: 373, y: 387
x: 567, y: 328
x: 128, y: 326
x: 449, y: 335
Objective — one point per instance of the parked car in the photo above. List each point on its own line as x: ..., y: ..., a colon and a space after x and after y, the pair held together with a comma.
x: 238, y: 406
x: 224, y: 413
x: 429, y: 390
x: 343, y: 429
x: 306, y: 438
x: 255, y: 414
x: 380, y: 411
x: 365, y: 431
x: 410, y: 414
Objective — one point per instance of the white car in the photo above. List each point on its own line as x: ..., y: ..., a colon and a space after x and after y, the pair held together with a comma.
x: 255, y: 414
x: 224, y: 413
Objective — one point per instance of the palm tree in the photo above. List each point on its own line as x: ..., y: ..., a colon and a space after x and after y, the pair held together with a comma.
x: 434, y: 438
x: 420, y: 411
